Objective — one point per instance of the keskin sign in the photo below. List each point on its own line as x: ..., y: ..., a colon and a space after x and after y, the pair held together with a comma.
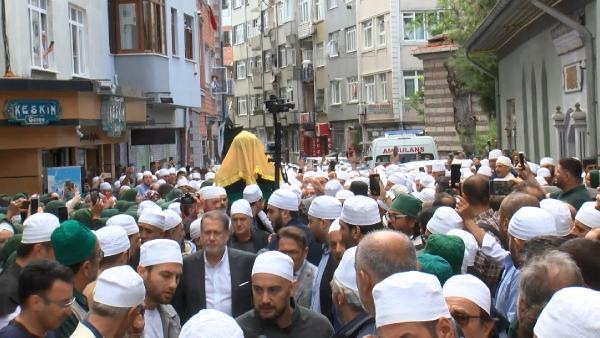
x: 32, y: 112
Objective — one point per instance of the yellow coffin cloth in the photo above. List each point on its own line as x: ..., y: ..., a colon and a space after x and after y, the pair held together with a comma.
x: 245, y: 160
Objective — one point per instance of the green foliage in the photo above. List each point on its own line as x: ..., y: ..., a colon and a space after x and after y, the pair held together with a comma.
x: 481, y: 140
x: 417, y: 100
x: 459, y: 21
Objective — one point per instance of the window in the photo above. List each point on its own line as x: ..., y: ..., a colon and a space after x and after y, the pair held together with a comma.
x: 335, y: 91
x: 304, y: 11
x: 292, y: 56
x: 238, y: 34
x: 258, y: 64
x: 417, y: 25
x: 351, y: 39
x: 240, y: 69
x: 282, y: 57
x: 333, y: 44
x: 253, y: 28
x: 141, y: 26
x: 39, y: 35
x: 369, y: 82
x: 268, y: 62
x: 319, y: 55
x: 319, y: 10
x: 237, y: 3
x: 154, y: 26
x: 381, y: 30
x: 307, y: 55
x: 320, y: 100
x: 412, y: 82
x: 352, y: 89
x: 242, y: 106
x: 265, y: 21
x: 173, y: 31
x: 227, y: 38
x: 290, y: 91
x: 332, y: 4
x: 77, y: 27
x: 284, y: 11
x: 188, y: 24
x: 382, y: 90
x: 368, y: 34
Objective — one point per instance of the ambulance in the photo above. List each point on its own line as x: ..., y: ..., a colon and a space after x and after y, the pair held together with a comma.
x: 410, y: 148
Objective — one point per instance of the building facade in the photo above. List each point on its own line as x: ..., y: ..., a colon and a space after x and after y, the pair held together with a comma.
x: 547, y: 80
x: 63, y: 104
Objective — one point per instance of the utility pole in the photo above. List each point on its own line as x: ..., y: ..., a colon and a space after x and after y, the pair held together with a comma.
x: 277, y: 105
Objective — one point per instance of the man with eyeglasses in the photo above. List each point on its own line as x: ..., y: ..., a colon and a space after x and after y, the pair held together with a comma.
x: 76, y: 247
x: 45, y: 293
x: 35, y: 245
x: 403, y: 214
x: 469, y: 302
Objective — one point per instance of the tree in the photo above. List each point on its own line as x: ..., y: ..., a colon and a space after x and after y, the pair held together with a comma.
x: 458, y: 21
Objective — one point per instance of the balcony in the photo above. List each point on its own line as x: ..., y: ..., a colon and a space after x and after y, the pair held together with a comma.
x: 307, y: 74
x: 305, y: 30
x: 380, y: 112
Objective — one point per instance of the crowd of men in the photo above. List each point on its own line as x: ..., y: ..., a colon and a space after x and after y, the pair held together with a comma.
x: 398, y: 251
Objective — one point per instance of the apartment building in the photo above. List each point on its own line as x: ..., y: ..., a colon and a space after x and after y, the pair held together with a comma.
x: 156, y: 52
x: 63, y: 104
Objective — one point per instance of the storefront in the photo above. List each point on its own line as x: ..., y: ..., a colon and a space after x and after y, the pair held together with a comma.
x: 55, y: 123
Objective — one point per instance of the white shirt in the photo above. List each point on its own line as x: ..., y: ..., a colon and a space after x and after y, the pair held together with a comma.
x: 217, y: 285
x: 493, y: 250
x: 152, y: 324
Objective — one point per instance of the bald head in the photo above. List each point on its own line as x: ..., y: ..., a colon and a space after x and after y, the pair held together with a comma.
x: 379, y: 255
x: 515, y: 201
x: 385, y: 252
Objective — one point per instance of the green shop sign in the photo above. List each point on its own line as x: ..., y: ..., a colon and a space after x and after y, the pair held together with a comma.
x: 32, y: 112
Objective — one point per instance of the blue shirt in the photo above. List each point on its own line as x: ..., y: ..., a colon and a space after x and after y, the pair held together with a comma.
x: 142, y: 189
x: 508, y: 291
x: 315, y: 303
x: 16, y: 330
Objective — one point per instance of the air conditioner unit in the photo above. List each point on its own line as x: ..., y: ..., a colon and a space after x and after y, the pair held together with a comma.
x: 165, y: 98
x: 104, y: 87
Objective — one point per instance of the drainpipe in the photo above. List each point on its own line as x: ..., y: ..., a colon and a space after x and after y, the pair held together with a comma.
x: 496, y: 94
x: 590, y: 76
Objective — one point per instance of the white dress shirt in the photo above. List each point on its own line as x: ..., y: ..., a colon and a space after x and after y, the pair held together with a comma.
x: 217, y: 285
x: 152, y: 324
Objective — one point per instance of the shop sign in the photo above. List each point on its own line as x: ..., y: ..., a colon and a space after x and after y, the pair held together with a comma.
x: 32, y: 112
x: 113, y: 115
x: 379, y: 108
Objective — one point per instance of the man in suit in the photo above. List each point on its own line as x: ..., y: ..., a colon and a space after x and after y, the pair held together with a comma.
x: 216, y: 277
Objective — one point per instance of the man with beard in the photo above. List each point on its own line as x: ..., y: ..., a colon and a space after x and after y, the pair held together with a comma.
x: 275, y: 313
x: 335, y: 241
x: 216, y: 277
x: 283, y: 211
x: 568, y: 178
x: 360, y: 215
x: 146, y: 183
x: 402, y: 217
x: 175, y: 231
x: 215, y: 198
x: 130, y: 226
x: 160, y: 268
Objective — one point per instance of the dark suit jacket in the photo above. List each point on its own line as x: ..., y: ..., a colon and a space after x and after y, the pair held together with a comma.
x: 325, y: 289
x: 190, y: 296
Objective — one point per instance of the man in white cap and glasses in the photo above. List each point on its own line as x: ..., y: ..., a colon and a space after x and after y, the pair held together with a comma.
x: 35, y: 245
x: 572, y: 312
x: 275, y: 313
x: 216, y: 277
x: 422, y: 312
x: 348, y: 308
x: 161, y: 268
x: 244, y: 237
x: 283, y: 210
x: 360, y: 215
x: 213, y: 324
x: 117, y: 307
x: 322, y: 212
x: 130, y: 226
x: 215, y: 198
x: 254, y: 196
x: 144, y: 187
x: 469, y: 302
